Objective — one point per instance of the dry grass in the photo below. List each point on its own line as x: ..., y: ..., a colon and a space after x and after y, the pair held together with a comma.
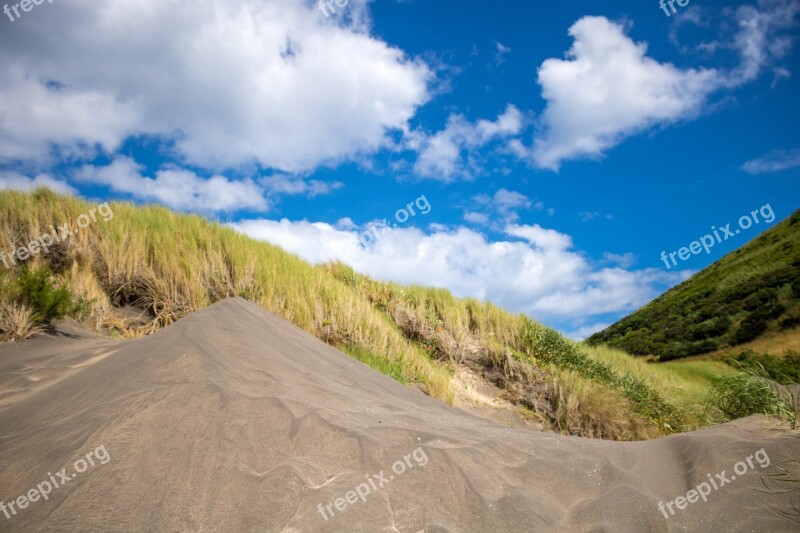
x: 590, y: 410
x: 148, y: 267
x: 685, y: 383
x: 16, y: 322
x: 775, y: 343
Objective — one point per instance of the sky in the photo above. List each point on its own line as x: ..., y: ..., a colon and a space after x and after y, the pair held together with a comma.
x: 540, y: 156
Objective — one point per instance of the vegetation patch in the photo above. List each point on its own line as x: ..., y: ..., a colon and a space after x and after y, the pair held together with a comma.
x: 784, y: 370
x: 749, y: 392
x: 748, y: 293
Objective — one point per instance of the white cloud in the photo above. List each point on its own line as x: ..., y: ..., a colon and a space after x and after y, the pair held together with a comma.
x: 271, y: 82
x: 442, y: 155
x: 608, y: 89
x: 500, y: 53
x: 775, y: 161
x: 476, y: 218
x: 625, y: 260
x: 507, y: 200
x: 587, y: 216
x: 540, y: 276
x: 541, y: 238
x: 502, y: 207
x: 20, y: 182
x: 756, y: 41
x: 294, y: 185
x: 177, y: 188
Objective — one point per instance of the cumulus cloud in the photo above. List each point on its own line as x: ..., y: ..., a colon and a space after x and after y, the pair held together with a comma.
x: 175, y: 187
x: 775, y: 161
x: 270, y: 82
x: 451, y: 153
x: 532, y: 270
x: 608, y: 89
x: 20, y: 182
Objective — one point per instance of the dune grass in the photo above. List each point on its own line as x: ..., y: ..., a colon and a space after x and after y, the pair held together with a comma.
x: 148, y: 267
x: 684, y: 382
x: 167, y: 265
x: 748, y: 392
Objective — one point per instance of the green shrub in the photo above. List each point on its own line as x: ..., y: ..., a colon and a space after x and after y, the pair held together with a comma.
x: 750, y: 328
x: 37, y: 290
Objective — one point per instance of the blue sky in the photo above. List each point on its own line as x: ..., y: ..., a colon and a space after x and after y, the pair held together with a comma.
x: 559, y: 148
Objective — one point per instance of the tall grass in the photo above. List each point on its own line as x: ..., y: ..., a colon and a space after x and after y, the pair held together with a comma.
x: 148, y: 267
x: 749, y: 392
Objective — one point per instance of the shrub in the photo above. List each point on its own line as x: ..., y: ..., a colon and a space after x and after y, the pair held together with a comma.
x: 750, y: 328
x: 36, y: 289
x: 790, y: 322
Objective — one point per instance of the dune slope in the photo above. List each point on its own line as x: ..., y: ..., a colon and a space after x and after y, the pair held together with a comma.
x: 234, y: 420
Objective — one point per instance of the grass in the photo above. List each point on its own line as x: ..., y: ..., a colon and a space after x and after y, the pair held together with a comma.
x: 748, y: 392
x: 164, y: 265
x: 385, y: 366
x: 784, y: 370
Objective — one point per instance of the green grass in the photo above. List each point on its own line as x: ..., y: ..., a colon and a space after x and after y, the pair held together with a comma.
x: 391, y: 368
x: 783, y: 370
x: 748, y: 392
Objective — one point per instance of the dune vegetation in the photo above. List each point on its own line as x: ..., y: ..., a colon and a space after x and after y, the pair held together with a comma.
x: 148, y: 267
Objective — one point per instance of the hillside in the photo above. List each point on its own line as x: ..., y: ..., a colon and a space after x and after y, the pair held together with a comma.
x: 146, y: 267
x: 748, y: 294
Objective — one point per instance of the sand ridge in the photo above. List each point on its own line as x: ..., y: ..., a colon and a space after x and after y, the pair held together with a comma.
x: 234, y: 420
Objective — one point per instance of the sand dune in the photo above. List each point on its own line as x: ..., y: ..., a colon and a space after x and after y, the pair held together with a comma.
x: 234, y: 420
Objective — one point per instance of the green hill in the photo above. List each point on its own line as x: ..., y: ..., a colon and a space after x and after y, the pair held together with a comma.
x: 751, y: 292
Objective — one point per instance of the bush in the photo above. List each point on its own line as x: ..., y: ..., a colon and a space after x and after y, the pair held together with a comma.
x: 36, y: 289
x: 790, y: 322
x: 750, y: 328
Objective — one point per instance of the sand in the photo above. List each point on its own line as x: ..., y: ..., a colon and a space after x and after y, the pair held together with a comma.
x: 234, y: 420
